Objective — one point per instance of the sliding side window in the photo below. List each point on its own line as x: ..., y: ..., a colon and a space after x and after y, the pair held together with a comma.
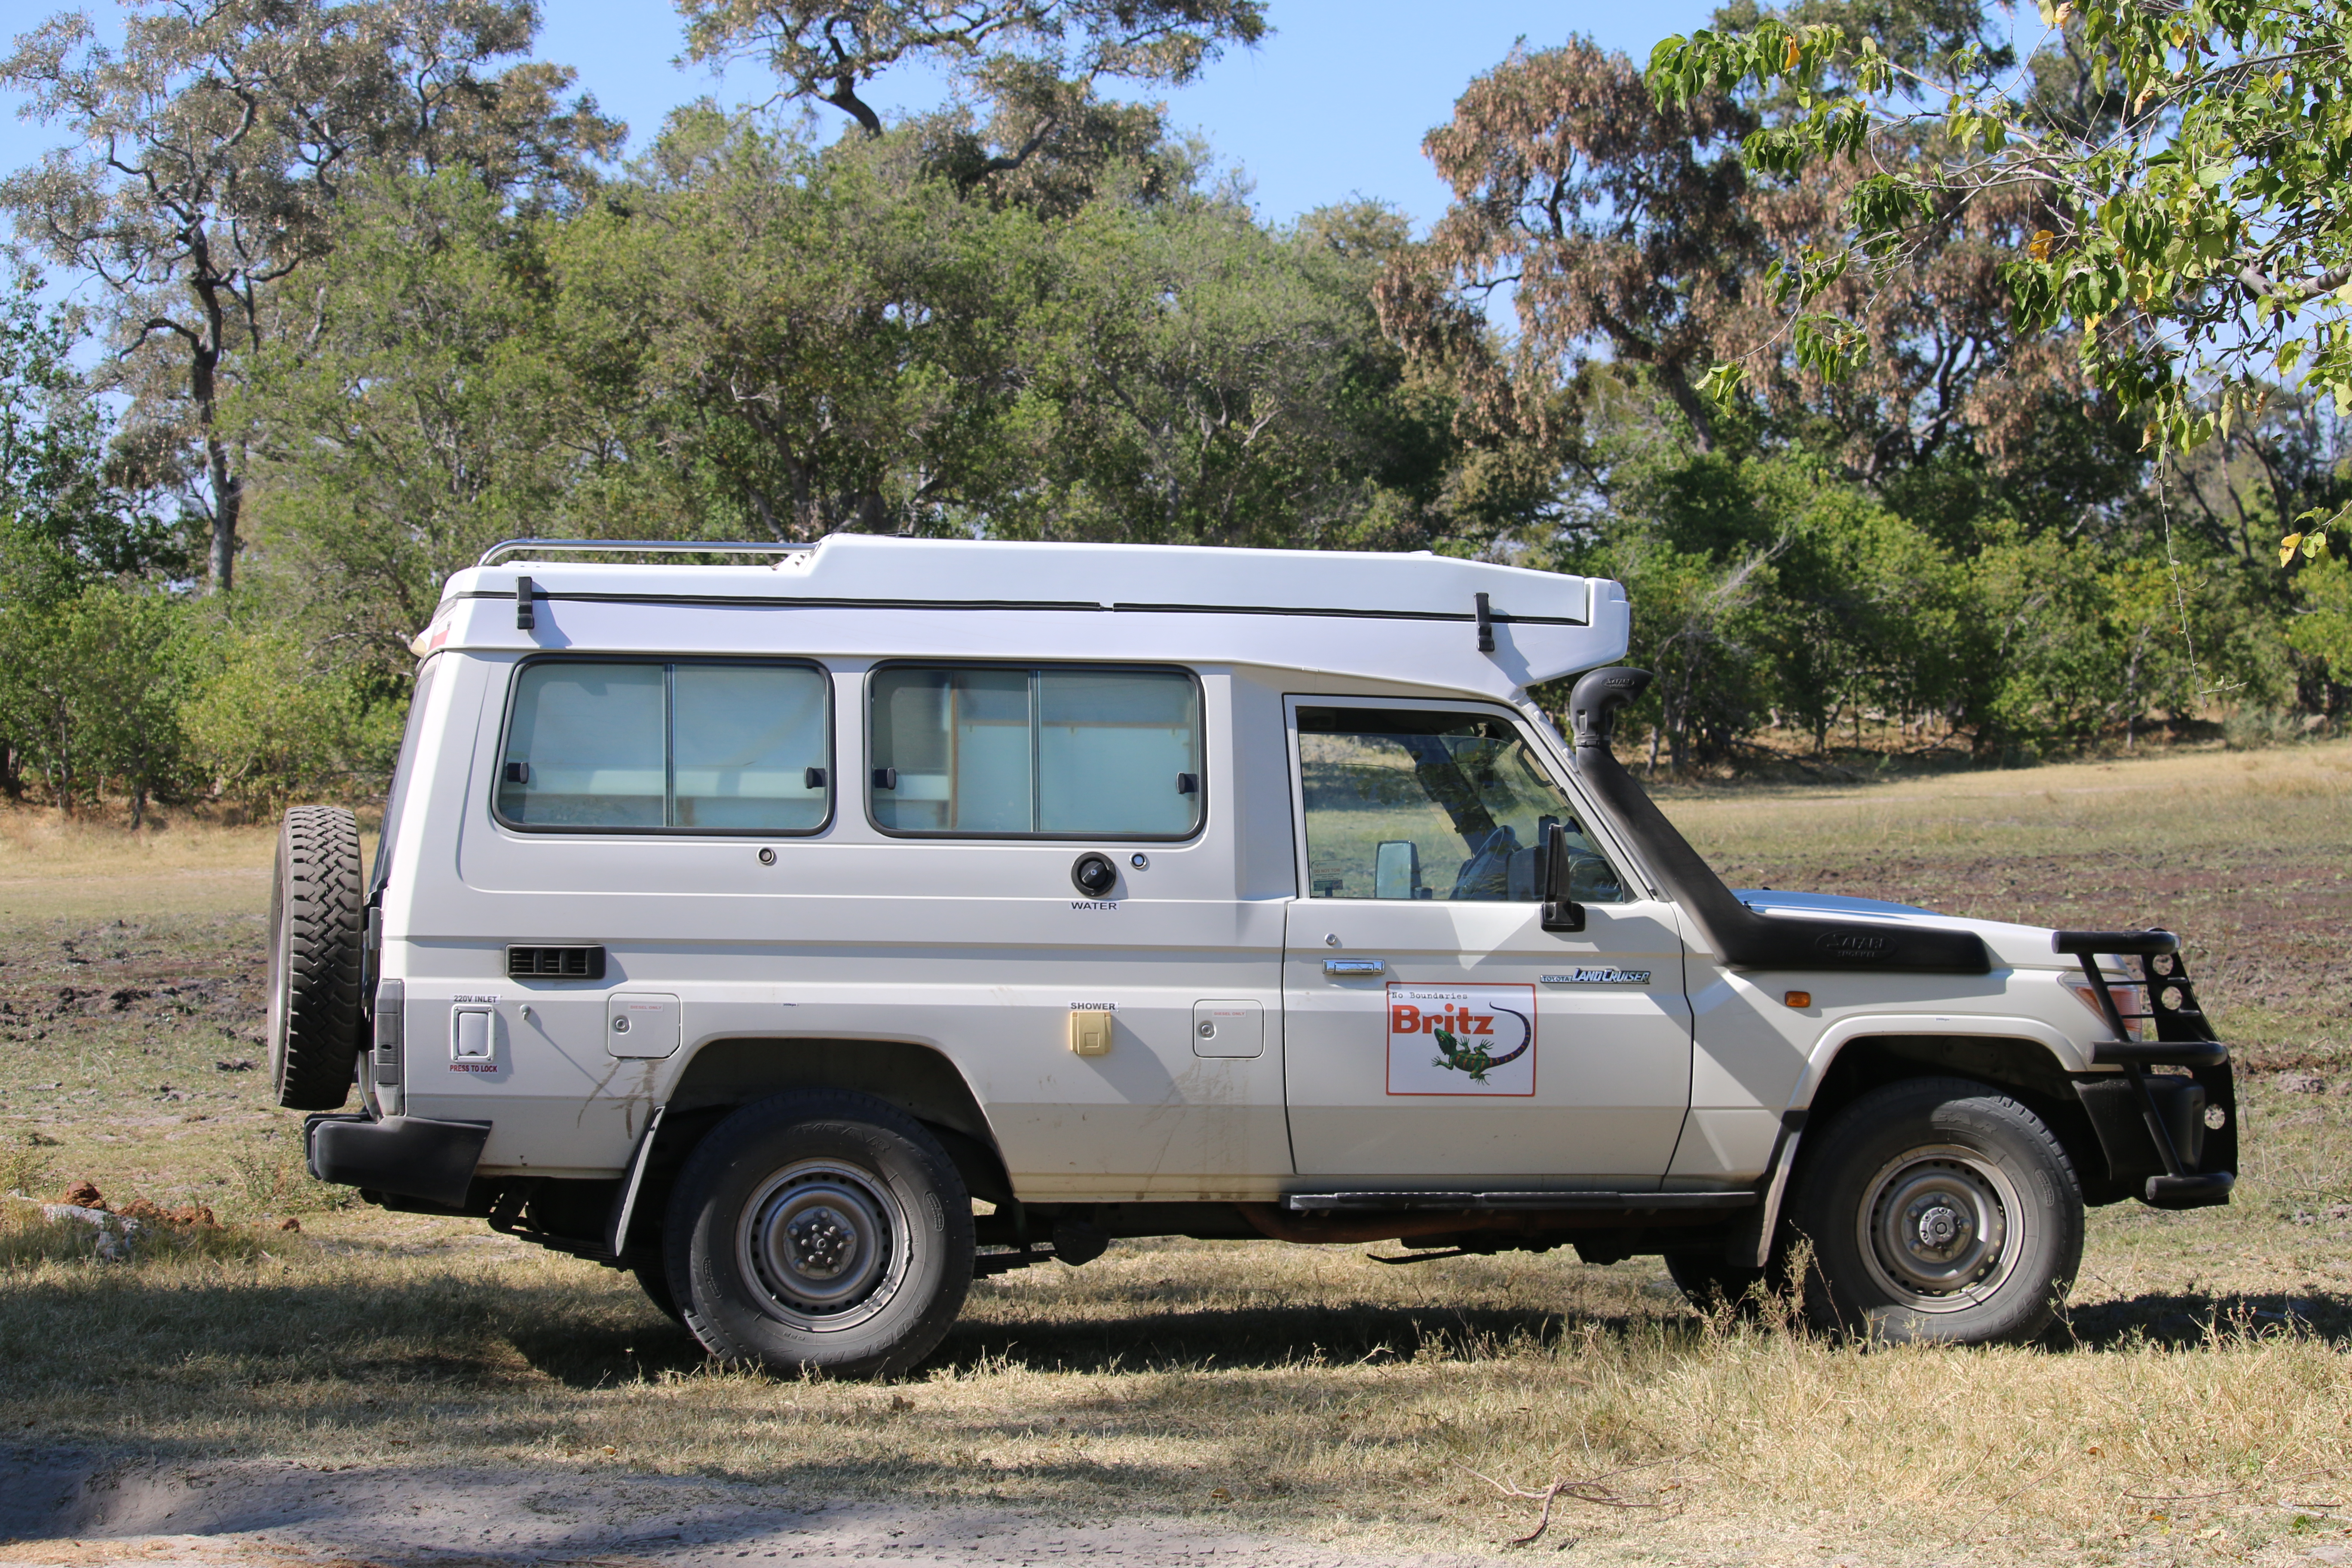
x: 648, y: 746
x: 987, y: 752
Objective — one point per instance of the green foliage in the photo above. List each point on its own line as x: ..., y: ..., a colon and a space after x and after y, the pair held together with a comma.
x: 208, y: 154
x: 91, y: 687
x: 266, y: 721
x: 63, y: 519
x: 1037, y: 314
x: 2325, y: 632
x: 2188, y: 163
x: 1769, y: 593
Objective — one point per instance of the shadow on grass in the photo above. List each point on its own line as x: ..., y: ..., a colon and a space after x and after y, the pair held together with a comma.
x: 112, y: 1337
x: 1261, y: 1338
x: 2182, y: 1321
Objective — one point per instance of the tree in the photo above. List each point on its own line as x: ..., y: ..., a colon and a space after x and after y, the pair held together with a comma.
x: 211, y: 147
x: 816, y: 339
x: 91, y: 687
x: 1191, y: 376
x: 430, y: 414
x: 63, y: 517
x: 826, y: 50
x: 1611, y: 220
x: 2190, y: 162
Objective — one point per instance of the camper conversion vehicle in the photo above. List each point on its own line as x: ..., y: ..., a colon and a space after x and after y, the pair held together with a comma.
x: 812, y: 932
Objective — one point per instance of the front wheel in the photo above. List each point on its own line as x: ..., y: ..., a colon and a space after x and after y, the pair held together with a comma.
x: 820, y: 1230
x: 1942, y: 1211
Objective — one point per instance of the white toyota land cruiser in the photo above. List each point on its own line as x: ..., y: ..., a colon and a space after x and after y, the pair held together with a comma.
x: 740, y: 925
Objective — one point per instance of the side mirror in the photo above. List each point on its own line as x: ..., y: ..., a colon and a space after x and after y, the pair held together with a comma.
x: 1396, y: 868
x: 1560, y: 912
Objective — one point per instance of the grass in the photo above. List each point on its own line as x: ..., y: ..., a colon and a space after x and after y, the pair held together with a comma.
x: 2198, y: 1399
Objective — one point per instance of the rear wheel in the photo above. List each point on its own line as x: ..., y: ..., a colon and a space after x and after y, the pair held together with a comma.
x: 1939, y: 1210
x: 820, y: 1229
x: 316, y: 934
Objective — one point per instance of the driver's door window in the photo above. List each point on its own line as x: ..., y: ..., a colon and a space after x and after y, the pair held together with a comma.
x: 1427, y: 804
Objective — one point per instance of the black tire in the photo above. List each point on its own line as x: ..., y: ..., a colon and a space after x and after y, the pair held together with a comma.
x: 820, y: 1230
x: 1706, y: 1280
x: 1940, y: 1211
x: 653, y: 1277
x: 316, y: 934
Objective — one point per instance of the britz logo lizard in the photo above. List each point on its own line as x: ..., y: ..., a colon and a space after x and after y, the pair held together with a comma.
x: 1470, y: 1039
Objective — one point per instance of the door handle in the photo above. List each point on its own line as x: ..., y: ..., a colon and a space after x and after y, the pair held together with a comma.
x: 1353, y: 966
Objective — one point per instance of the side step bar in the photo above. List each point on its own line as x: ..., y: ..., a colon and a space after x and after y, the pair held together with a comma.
x: 1334, y: 1203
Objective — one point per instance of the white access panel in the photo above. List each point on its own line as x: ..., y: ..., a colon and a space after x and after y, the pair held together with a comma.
x: 1233, y: 1028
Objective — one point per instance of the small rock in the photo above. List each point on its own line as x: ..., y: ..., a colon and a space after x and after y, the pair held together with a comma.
x: 2300, y: 1083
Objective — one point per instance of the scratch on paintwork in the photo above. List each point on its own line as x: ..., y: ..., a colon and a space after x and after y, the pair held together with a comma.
x: 596, y: 1092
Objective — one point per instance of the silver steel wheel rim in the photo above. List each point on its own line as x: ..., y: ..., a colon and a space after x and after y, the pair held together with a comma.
x: 1937, y: 1229
x: 824, y: 1245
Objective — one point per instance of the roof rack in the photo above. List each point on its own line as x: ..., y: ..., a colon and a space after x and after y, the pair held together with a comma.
x: 506, y: 548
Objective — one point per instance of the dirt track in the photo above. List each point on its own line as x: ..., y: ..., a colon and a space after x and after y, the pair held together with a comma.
x: 59, y: 1510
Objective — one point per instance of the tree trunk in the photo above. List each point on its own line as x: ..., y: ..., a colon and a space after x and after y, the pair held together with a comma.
x: 228, y: 499
x: 203, y: 391
x: 1694, y: 408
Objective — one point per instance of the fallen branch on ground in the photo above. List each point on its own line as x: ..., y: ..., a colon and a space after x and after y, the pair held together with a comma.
x: 1592, y: 1491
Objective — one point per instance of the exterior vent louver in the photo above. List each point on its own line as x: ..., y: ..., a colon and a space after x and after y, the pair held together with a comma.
x: 555, y: 963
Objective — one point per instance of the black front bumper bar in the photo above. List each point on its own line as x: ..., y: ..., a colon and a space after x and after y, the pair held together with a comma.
x: 2196, y: 1149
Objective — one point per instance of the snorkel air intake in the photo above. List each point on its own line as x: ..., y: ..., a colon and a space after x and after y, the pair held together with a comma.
x: 1746, y: 938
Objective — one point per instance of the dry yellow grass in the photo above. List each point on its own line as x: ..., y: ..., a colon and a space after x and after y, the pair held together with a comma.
x: 56, y: 867
x: 1287, y: 1390
x: 2198, y: 1405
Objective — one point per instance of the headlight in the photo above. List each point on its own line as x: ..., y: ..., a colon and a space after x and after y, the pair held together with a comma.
x: 2130, y: 999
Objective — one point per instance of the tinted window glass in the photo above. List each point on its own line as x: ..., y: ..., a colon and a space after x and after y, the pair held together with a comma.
x: 1067, y: 753
x: 1426, y: 804
x: 742, y: 740
x: 724, y: 748
x: 1110, y: 746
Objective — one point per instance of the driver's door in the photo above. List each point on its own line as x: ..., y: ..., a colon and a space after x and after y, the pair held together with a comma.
x: 1434, y: 1029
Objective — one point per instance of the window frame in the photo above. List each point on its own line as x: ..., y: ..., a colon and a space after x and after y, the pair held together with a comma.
x: 1032, y: 666
x: 665, y: 663
x: 403, y: 774
x: 1629, y: 874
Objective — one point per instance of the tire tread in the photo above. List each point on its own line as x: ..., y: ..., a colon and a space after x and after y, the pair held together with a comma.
x: 321, y: 928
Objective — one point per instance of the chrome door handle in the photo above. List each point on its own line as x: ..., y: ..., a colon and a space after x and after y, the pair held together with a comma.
x: 1353, y: 966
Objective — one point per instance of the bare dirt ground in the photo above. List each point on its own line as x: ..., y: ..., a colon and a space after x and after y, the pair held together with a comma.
x: 399, y: 1389
x: 237, y: 1512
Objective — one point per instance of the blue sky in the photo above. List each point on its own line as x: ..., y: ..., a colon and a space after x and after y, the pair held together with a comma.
x: 1333, y: 105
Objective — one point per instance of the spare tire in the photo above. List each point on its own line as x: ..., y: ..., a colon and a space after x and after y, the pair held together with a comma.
x: 315, y: 938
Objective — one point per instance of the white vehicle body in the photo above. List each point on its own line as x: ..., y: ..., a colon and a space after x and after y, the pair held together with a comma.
x: 1250, y: 1057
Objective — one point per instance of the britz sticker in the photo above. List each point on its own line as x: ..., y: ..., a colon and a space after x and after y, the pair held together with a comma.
x: 1462, y: 1039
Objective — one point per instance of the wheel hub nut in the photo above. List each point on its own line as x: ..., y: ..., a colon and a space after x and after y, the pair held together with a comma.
x: 1940, y: 1226
x: 822, y: 1241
